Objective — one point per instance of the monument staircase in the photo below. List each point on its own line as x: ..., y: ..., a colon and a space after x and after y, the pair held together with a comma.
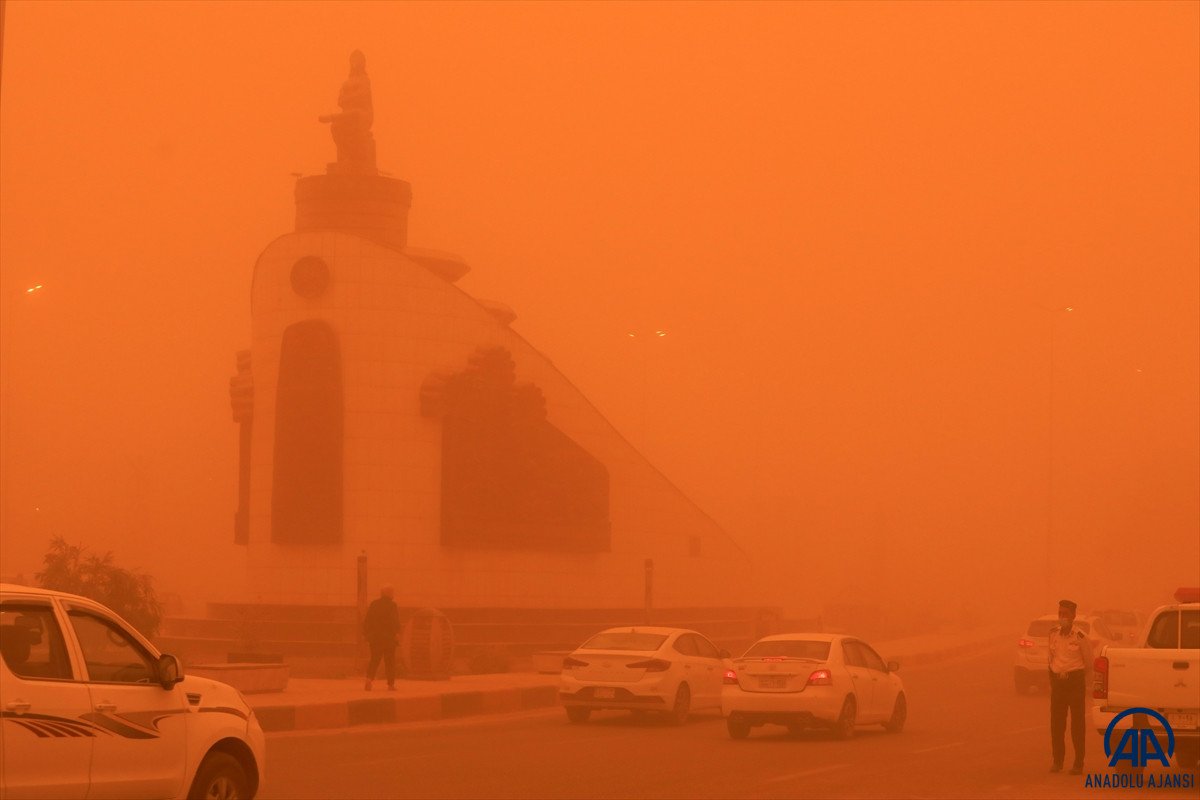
x: 324, y: 641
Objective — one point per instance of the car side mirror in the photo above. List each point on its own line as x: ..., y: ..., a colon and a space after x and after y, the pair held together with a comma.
x: 893, y: 666
x: 169, y: 671
x: 724, y: 653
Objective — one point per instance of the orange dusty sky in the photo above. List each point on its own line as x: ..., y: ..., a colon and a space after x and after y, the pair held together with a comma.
x: 855, y: 221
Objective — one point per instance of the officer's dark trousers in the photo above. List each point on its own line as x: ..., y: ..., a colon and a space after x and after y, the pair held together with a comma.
x: 385, y: 651
x: 1067, y: 693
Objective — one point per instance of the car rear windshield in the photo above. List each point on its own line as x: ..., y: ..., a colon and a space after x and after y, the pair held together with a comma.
x: 1041, y: 627
x: 625, y: 640
x: 1125, y: 618
x: 789, y: 648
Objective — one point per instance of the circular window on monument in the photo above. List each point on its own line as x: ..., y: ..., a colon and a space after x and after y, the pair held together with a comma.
x: 310, y: 277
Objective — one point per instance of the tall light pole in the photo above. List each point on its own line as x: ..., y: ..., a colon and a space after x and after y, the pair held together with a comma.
x: 645, y: 339
x: 1054, y: 315
x: 13, y: 305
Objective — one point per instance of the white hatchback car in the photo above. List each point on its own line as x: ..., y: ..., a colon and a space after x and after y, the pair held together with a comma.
x: 812, y: 680
x: 638, y: 668
x: 91, y: 709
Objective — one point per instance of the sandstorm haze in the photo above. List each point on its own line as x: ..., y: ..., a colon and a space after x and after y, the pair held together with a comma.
x: 857, y: 224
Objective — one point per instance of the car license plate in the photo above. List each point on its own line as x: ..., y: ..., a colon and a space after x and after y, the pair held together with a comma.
x: 1182, y: 720
x: 773, y: 682
x: 603, y: 693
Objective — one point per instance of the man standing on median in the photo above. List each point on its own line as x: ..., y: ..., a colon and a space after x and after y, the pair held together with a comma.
x: 1070, y: 670
x: 382, y: 629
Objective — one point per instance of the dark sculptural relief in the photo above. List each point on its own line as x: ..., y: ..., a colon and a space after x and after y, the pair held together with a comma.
x: 351, y: 127
x: 510, y: 479
x: 306, y: 493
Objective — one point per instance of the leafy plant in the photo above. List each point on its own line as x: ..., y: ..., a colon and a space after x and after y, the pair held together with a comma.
x: 490, y: 660
x: 70, y: 568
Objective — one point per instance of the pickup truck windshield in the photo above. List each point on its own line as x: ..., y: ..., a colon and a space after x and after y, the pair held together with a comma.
x: 1176, y: 629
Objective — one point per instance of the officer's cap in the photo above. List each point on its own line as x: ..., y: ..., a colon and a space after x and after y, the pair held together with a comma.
x: 1067, y: 604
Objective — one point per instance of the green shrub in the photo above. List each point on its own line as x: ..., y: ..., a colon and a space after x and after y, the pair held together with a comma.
x: 70, y: 568
x: 490, y: 660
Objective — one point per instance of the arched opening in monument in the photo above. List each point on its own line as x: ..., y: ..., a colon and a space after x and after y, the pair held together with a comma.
x: 306, y: 495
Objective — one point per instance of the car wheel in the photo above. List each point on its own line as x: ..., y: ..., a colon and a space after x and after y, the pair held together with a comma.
x: 1186, y: 754
x: 738, y: 727
x: 683, y: 705
x: 220, y: 777
x: 578, y: 713
x: 899, y: 715
x: 844, y: 727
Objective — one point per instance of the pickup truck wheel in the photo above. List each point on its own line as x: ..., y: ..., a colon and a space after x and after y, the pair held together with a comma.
x: 1186, y: 754
x: 220, y: 777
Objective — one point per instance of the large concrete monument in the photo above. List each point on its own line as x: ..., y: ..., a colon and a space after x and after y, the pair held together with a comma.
x: 386, y: 412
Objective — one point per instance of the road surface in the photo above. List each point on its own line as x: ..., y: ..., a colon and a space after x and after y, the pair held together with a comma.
x: 968, y: 736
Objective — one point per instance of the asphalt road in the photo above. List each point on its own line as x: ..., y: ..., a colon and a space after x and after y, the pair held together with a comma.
x: 968, y: 736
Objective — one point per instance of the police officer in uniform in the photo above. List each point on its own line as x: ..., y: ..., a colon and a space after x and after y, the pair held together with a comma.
x: 1070, y: 673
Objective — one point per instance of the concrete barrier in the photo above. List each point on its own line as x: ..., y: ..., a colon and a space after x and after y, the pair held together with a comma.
x: 246, y: 678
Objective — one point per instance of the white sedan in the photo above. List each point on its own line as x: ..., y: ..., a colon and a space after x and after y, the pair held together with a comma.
x: 671, y: 670
x: 812, y: 680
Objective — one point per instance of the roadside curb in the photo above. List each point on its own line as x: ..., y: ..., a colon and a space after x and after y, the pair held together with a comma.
x: 395, y: 710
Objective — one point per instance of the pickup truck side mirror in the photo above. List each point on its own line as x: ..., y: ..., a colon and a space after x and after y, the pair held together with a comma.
x: 893, y: 666
x: 169, y: 671
x: 724, y: 653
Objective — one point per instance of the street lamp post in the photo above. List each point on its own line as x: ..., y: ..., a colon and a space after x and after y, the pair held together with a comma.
x: 1054, y: 314
x: 643, y: 339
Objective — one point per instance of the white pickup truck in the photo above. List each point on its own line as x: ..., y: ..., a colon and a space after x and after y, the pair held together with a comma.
x: 90, y: 709
x: 1162, y: 673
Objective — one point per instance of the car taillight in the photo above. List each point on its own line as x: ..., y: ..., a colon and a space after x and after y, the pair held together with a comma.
x: 571, y: 663
x: 653, y: 665
x: 820, y: 677
x: 1100, y: 683
x: 729, y: 678
x: 1025, y: 643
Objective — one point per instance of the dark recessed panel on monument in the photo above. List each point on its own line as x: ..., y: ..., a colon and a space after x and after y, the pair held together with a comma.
x: 510, y: 479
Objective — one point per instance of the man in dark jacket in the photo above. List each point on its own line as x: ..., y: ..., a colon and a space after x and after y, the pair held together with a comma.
x: 382, y: 629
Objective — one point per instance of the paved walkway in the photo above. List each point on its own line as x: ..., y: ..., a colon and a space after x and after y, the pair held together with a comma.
x: 312, y: 703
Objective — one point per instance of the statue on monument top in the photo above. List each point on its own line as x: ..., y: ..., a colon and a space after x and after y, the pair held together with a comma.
x: 351, y: 128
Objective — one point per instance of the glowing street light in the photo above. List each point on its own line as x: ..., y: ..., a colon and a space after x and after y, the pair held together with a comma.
x: 645, y: 336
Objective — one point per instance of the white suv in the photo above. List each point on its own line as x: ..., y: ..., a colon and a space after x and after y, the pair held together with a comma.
x: 89, y: 708
x: 1032, y: 665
